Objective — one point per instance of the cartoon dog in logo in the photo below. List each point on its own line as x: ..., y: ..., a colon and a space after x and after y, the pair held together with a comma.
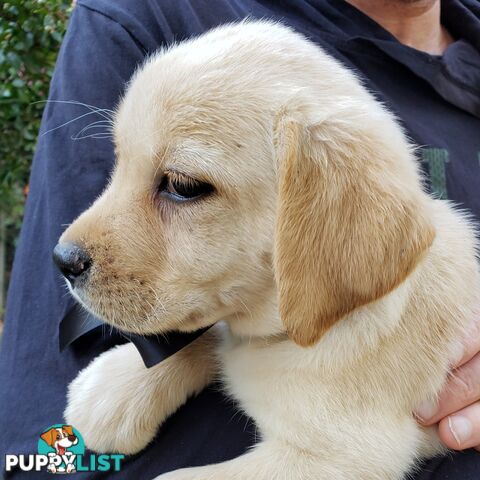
x: 61, y: 439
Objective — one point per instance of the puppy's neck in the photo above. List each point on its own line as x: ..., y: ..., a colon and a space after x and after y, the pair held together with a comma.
x: 360, y: 331
x: 260, y: 319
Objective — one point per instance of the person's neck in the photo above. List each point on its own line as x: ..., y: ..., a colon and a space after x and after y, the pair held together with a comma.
x: 415, y: 23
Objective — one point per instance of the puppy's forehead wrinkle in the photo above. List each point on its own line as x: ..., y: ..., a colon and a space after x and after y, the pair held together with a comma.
x: 176, y: 132
x: 218, y: 165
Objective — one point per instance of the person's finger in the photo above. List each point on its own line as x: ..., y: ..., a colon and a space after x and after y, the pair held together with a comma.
x: 462, y: 389
x: 462, y: 429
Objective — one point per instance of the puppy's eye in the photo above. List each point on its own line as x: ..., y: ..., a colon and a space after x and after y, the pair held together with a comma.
x: 181, y: 188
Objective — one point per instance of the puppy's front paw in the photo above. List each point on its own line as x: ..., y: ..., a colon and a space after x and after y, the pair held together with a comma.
x: 112, y: 404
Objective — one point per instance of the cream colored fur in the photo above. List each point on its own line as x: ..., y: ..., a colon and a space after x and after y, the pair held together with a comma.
x: 343, y: 286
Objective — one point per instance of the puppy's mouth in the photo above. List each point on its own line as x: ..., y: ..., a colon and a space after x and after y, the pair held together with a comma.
x: 133, y: 302
x: 127, y: 313
x: 101, y: 283
x: 129, y: 310
x: 135, y: 293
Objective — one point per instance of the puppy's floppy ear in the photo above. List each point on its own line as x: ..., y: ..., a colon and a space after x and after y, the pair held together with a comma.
x: 49, y: 436
x: 350, y: 226
x: 68, y: 429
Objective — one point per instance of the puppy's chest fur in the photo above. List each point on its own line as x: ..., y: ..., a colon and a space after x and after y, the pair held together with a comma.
x: 265, y: 378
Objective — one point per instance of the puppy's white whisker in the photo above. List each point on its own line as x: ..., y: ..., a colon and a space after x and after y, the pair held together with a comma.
x: 245, y: 306
x: 105, y: 112
x: 94, y: 125
x: 68, y: 122
x: 98, y: 136
x: 157, y: 298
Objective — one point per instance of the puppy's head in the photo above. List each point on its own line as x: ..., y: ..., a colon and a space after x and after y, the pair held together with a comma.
x: 225, y: 191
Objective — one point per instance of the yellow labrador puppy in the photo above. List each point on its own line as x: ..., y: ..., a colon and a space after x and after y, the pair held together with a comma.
x: 258, y: 183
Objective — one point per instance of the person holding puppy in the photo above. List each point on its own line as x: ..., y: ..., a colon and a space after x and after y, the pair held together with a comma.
x: 421, y: 58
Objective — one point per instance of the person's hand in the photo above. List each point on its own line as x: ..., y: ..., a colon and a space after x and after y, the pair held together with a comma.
x: 457, y: 411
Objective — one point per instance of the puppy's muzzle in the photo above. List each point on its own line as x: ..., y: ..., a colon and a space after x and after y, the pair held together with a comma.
x: 72, y: 260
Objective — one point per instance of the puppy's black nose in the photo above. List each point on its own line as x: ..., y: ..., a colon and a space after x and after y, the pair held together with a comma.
x: 72, y: 260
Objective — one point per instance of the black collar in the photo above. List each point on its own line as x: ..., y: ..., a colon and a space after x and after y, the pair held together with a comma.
x: 153, y: 348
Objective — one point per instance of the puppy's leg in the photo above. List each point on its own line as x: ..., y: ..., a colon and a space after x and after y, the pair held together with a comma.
x: 377, y: 447
x: 272, y: 460
x: 267, y: 461
x: 118, y: 404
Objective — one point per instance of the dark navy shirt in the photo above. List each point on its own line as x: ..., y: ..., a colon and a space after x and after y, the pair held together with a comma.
x: 437, y: 99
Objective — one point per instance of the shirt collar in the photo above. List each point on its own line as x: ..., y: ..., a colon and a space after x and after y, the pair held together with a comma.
x: 455, y: 76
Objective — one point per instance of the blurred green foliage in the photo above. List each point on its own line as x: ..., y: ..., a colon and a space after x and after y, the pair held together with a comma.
x: 30, y: 35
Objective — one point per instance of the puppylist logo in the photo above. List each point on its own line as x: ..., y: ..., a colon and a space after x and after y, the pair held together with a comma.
x: 61, y: 450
